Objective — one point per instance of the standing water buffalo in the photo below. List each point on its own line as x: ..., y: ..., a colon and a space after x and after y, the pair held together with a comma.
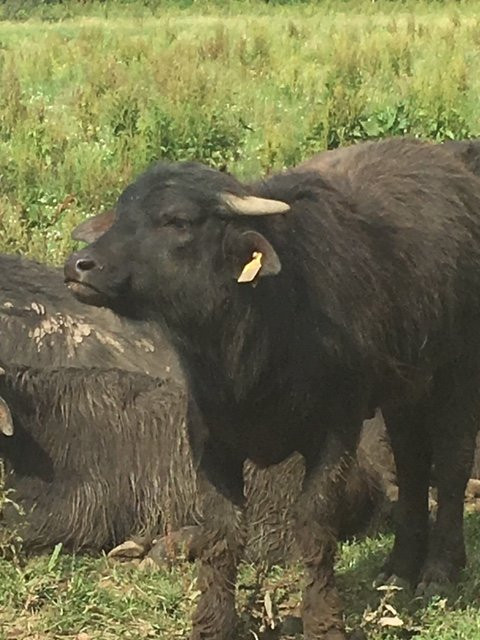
x: 297, y: 306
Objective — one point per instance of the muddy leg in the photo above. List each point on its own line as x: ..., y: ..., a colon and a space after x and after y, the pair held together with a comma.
x: 219, y: 545
x: 412, y: 452
x: 317, y: 517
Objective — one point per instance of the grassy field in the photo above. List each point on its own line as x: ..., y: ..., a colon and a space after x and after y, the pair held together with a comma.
x: 86, y: 103
x: 91, y: 94
x: 82, y: 598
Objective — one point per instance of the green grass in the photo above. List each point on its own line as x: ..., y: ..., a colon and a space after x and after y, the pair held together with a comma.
x: 91, y: 94
x: 87, y: 103
x: 60, y: 596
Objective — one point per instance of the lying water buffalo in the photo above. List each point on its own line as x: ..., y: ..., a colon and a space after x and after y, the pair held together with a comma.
x: 43, y: 326
x: 64, y: 473
x: 298, y: 305
x: 92, y: 455
x: 98, y: 455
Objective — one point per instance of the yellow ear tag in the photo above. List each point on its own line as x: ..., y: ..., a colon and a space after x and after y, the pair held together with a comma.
x: 251, y: 269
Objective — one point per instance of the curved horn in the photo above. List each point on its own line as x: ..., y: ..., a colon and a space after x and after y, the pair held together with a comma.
x: 253, y: 206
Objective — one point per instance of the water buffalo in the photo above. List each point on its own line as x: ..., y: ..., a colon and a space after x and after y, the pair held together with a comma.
x: 91, y: 458
x: 296, y: 307
x: 42, y: 326
x: 99, y: 455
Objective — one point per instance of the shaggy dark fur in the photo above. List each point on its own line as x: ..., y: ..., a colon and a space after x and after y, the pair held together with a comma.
x: 372, y: 299
x: 99, y: 455
x: 95, y: 455
x: 152, y: 478
x: 468, y: 151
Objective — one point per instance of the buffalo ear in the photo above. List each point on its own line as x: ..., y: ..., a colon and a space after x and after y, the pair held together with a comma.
x: 253, y: 256
x: 6, y: 420
x: 91, y: 229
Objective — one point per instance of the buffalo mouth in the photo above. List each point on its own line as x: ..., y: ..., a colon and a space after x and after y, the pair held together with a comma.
x: 87, y: 293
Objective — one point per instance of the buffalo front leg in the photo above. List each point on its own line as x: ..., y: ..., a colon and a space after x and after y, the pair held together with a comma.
x: 317, y: 520
x: 219, y: 545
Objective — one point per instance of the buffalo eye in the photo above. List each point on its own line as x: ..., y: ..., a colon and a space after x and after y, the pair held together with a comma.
x: 181, y: 224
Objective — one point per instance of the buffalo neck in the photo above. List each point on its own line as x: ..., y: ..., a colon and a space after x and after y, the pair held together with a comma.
x: 262, y: 371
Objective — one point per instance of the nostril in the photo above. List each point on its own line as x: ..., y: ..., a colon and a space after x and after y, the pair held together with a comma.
x: 85, y: 264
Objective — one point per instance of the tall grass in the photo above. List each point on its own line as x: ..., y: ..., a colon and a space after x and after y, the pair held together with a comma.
x: 86, y: 104
x: 91, y: 93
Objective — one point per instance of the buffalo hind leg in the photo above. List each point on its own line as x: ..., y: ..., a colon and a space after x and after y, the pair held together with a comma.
x: 412, y: 452
x: 317, y: 519
x: 454, y: 428
x: 218, y: 546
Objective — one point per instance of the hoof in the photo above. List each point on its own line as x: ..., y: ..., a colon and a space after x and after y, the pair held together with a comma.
x: 431, y: 586
x: 428, y: 590
x: 437, y: 580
